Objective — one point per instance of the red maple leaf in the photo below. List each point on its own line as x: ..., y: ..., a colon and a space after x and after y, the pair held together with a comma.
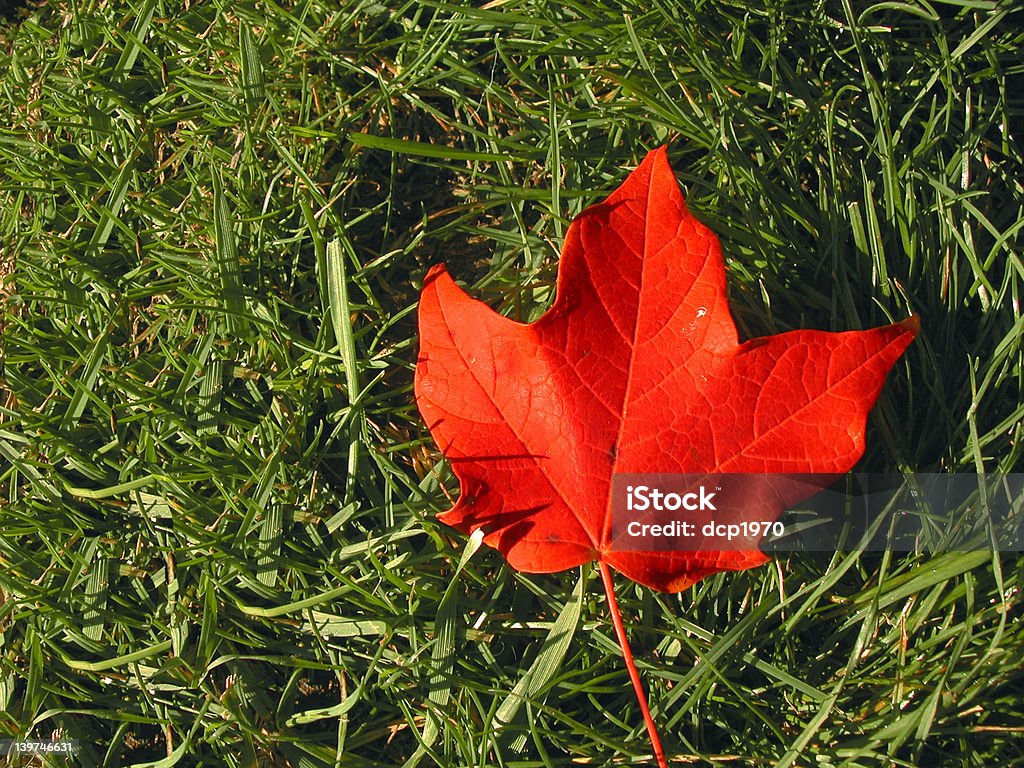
x: 636, y: 368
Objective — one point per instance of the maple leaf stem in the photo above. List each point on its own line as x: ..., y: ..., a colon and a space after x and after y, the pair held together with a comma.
x: 627, y: 655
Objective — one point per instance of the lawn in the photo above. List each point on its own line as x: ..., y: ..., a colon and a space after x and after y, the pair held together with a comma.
x: 218, y: 542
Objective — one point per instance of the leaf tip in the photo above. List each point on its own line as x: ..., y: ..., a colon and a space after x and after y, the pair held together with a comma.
x: 433, y: 273
x: 912, y: 324
x: 658, y: 157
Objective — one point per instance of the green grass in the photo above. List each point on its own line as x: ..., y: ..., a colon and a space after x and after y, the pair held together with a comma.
x: 217, y: 534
